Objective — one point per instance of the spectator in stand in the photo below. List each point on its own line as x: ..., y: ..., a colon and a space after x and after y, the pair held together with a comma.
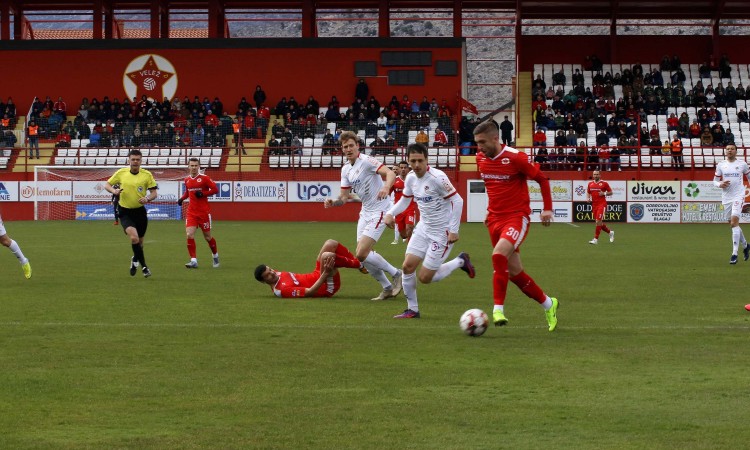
x: 673, y: 123
x: 95, y: 137
x: 707, y: 139
x: 60, y: 107
x: 704, y: 70
x: 728, y: 137
x: 602, y: 138
x: 558, y: 79
x: 742, y: 116
x: 725, y: 67
x: 506, y: 131
x: 604, y: 158
x: 654, y: 133
x: 441, y: 139
x: 666, y: 149
x: 32, y: 131
x: 7, y: 139
x: 717, y: 131
x: 540, y: 138
x: 63, y: 139
x: 422, y: 138
x: 259, y: 96
x: 654, y: 146
x: 198, y: 135
x: 675, y: 149
x: 296, y: 146
x: 362, y: 91
x: 377, y: 147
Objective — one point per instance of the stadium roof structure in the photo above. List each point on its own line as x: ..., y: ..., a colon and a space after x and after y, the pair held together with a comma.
x: 713, y: 12
x: 527, y: 9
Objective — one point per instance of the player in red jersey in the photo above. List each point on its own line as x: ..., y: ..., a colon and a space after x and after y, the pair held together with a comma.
x: 505, y: 171
x: 597, y: 194
x: 198, y: 187
x: 324, y: 281
x: 406, y: 220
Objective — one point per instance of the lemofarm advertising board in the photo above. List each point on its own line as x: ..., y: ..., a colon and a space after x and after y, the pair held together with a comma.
x: 619, y: 188
x: 47, y: 191
x: 8, y: 191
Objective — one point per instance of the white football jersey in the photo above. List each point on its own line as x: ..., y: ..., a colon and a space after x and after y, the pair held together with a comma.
x: 432, y: 193
x: 363, y: 179
x: 733, y: 172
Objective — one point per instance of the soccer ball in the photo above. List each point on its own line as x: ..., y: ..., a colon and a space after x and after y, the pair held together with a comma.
x: 474, y: 322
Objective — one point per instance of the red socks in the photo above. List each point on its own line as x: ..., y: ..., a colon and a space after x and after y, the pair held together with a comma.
x: 344, y: 258
x: 601, y: 228
x: 499, y: 278
x: 529, y: 287
x: 191, y: 247
x: 212, y: 245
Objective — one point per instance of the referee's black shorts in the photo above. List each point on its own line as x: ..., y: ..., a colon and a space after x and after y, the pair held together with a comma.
x: 136, y: 218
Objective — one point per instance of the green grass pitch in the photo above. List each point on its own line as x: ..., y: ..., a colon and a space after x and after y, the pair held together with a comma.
x: 651, y: 349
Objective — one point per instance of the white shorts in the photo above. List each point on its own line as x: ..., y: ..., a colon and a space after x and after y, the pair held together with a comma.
x: 733, y: 209
x: 371, y: 225
x: 432, y: 250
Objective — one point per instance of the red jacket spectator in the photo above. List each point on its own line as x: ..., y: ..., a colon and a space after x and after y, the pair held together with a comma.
x: 60, y: 106
x: 211, y: 120
x: 264, y: 112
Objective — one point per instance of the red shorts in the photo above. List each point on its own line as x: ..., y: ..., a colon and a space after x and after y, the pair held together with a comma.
x: 511, y: 228
x: 202, y: 221
x: 331, y: 286
x: 599, y: 211
x: 405, y: 218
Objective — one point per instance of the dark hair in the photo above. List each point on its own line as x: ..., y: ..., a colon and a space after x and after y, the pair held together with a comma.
x: 489, y: 126
x: 194, y: 159
x: 416, y: 148
x: 135, y: 152
x: 403, y: 162
x: 259, y: 272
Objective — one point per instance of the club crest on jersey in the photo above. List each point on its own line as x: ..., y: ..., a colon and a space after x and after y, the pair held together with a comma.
x: 198, y: 179
x: 140, y: 188
x: 505, y: 161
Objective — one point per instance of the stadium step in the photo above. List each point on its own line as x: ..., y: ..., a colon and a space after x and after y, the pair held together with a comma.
x: 248, y: 163
x: 21, y: 164
x: 523, y: 133
x: 468, y: 163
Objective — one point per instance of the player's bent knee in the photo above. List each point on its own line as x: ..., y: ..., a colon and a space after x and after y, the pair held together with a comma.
x: 425, y: 277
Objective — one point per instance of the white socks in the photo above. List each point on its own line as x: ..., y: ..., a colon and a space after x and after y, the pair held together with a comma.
x: 17, y: 251
x: 377, y: 261
x: 378, y: 274
x: 410, y: 290
x: 447, y: 268
x: 736, y: 237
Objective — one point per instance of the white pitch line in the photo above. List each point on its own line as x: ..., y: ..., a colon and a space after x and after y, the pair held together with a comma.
x: 353, y: 327
x: 573, y: 225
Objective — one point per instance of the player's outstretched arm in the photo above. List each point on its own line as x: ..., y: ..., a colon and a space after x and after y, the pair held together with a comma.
x: 340, y: 201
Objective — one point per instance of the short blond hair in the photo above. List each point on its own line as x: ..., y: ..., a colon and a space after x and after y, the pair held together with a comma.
x: 348, y: 135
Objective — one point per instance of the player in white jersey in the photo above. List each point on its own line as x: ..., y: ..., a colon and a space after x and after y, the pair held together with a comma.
x: 363, y: 175
x: 440, y: 207
x: 728, y: 176
x: 6, y: 241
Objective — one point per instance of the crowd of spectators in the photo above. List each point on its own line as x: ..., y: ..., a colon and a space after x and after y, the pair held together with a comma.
x: 569, y: 108
x: 207, y: 123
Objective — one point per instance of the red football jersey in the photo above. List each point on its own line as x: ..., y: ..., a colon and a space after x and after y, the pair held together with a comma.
x: 294, y: 284
x: 595, y: 189
x: 398, y: 192
x: 204, y: 184
x: 505, y: 178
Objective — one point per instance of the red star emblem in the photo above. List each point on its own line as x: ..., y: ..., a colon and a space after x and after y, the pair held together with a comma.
x: 149, y: 80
